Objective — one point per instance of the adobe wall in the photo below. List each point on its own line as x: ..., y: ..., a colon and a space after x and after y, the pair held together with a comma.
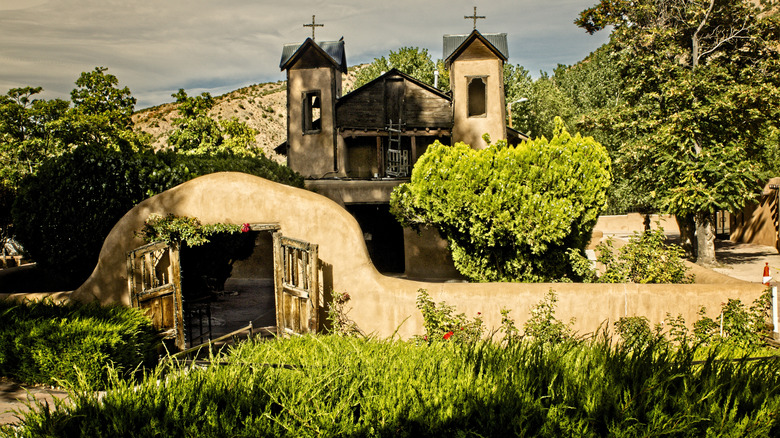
x: 628, y: 223
x: 757, y: 222
x: 380, y: 304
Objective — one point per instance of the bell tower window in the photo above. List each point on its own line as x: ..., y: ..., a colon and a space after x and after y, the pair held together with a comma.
x: 312, y: 110
x: 477, y: 104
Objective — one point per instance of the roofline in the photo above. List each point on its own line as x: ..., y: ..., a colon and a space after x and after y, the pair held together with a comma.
x: 295, y: 56
x: 405, y: 76
x: 474, y: 34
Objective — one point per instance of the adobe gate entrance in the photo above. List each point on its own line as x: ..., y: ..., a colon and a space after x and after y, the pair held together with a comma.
x: 154, y: 283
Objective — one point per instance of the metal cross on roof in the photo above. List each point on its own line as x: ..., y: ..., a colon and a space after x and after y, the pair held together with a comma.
x: 312, y: 26
x: 474, y: 17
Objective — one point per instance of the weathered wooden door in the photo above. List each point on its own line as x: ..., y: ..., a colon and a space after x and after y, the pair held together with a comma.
x: 296, y: 283
x: 154, y: 281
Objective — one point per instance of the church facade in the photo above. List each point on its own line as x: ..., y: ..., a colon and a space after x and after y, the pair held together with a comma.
x: 355, y: 148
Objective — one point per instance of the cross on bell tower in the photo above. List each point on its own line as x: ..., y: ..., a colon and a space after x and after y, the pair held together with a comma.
x: 474, y: 17
x: 314, y: 25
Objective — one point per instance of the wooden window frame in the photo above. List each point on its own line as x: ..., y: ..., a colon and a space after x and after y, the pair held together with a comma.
x: 311, y: 125
x: 469, y: 81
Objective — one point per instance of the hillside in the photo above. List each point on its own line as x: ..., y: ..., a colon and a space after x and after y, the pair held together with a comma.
x: 261, y: 106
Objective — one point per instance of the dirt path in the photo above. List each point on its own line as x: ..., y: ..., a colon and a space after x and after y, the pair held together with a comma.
x: 13, y: 397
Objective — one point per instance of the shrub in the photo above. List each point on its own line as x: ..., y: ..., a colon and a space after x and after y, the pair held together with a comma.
x: 178, y: 230
x: 543, y: 327
x: 45, y: 343
x: 737, y: 328
x: 646, y: 258
x: 635, y: 332
x: 63, y: 214
x: 509, y: 213
x: 737, y: 325
x: 442, y: 323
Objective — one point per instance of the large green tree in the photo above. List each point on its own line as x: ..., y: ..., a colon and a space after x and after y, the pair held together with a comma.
x: 414, y: 61
x: 33, y: 130
x: 509, y: 213
x: 196, y: 133
x: 701, y: 96
x: 27, y: 134
x: 101, y: 113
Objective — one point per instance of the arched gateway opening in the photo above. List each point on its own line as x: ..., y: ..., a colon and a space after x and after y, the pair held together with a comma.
x: 254, y: 281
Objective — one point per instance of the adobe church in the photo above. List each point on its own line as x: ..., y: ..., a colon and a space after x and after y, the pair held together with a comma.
x: 355, y: 148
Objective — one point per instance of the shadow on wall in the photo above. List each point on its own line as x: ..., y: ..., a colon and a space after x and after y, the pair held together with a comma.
x: 381, y: 305
x: 757, y: 222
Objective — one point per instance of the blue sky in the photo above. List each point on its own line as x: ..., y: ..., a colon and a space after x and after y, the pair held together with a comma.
x: 157, y: 47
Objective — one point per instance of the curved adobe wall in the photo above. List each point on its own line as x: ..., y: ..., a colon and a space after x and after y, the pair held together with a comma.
x: 382, y: 304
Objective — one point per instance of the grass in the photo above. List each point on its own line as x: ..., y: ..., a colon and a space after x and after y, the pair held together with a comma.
x: 45, y: 343
x: 346, y: 386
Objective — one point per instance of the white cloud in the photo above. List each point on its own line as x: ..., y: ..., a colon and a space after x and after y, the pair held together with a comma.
x: 156, y: 47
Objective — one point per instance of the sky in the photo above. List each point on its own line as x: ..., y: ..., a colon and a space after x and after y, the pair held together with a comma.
x: 155, y: 47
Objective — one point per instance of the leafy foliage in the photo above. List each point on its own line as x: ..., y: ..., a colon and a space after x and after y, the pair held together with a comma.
x: 635, y: 332
x: 546, y: 102
x: 701, y: 94
x: 414, y: 61
x: 442, y: 324
x: 350, y: 386
x: 196, y: 133
x: 179, y: 229
x: 64, y: 212
x: 737, y: 325
x: 509, y: 213
x: 26, y: 132
x: 45, y: 343
x: 738, y: 329
x: 338, y: 318
x: 34, y: 130
x: 646, y: 258
x: 543, y: 327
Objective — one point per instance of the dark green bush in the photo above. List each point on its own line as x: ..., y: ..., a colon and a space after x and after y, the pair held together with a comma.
x: 47, y: 344
x: 63, y: 213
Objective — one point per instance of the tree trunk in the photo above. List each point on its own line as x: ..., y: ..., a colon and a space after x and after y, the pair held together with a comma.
x: 705, y: 239
x: 687, y: 232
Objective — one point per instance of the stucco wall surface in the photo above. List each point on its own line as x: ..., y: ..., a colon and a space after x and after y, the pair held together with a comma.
x: 635, y: 222
x: 757, y: 222
x: 470, y: 129
x: 380, y: 304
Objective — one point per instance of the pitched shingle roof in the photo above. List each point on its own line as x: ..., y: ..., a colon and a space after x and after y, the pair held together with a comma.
x: 498, y: 42
x: 334, y: 50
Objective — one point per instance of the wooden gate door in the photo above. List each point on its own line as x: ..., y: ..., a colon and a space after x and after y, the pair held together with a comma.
x: 154, y: 281
x: 296, y: 283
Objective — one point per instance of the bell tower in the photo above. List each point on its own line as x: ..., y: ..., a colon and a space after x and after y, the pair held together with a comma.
x: 476, y: 65
x: 313, y: 84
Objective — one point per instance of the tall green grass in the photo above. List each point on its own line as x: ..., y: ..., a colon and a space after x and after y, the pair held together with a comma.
x: 345, y: 386
x: 46, y: 343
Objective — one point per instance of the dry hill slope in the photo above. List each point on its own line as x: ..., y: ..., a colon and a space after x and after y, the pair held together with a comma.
x: 262, y: 106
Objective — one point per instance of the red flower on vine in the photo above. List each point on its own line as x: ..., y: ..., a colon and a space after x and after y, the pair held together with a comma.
x: 245, y: 228
x: 448, y: 335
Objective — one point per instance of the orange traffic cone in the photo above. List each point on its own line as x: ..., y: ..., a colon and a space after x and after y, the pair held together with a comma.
x: 767, y: 278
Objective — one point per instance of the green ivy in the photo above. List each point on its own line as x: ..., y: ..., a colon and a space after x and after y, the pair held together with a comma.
x: 176, y: 230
